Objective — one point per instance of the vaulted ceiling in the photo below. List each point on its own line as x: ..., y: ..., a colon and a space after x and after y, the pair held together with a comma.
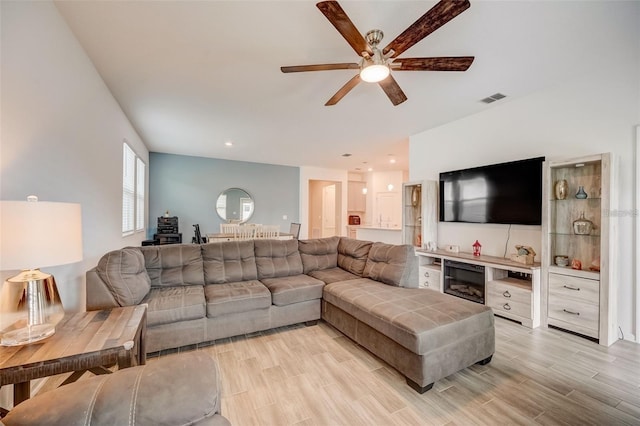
x: 192, y: 75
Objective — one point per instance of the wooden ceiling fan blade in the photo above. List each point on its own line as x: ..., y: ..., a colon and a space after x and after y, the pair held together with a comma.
x: 454, y: 63
x: 344, y: 90
x: 337, y: 16
x: 437, y: 16
x: 393, y: 90
x: 320, y: 67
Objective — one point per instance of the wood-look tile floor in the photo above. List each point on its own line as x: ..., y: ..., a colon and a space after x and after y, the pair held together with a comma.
x: 316, y: 376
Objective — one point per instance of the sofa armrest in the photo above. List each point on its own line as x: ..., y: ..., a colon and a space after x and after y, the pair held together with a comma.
x: 98, y: 294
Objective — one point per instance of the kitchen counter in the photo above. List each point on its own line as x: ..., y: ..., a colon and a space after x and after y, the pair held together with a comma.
x: 376, y: 233
x: 381, y: 228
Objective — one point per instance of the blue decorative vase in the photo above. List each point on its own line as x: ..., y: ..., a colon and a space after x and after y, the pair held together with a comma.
x: 581, y: 194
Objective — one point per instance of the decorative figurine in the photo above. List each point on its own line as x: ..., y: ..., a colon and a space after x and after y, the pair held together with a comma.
x: 576, y: 264
x: 476, y: 248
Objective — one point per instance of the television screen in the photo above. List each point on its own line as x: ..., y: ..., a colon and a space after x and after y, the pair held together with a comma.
x: 509, y: 193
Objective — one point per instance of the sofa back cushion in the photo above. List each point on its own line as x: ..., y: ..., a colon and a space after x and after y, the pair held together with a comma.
x: 125, y: 276
x: 173, y: 264
x: 229, y: 262
x: 352, y: 255
x: 319, y: 253
x: 277, y: 258
x: 391, y: 264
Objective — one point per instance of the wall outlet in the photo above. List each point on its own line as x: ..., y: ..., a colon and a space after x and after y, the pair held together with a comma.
x: 452, y: 248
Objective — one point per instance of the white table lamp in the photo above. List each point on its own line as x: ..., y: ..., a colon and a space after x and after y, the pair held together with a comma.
x: 35, y: 234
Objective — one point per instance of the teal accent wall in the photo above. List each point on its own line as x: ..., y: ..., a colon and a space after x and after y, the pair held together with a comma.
x: 188, y: 188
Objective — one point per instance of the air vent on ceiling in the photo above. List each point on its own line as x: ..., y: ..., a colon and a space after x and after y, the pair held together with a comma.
x: 493, y: 98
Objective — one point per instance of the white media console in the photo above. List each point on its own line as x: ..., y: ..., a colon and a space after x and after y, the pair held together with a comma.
x: 510, y: 288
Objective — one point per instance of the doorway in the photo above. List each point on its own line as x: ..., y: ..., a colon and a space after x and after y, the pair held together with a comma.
x: 325, y: 204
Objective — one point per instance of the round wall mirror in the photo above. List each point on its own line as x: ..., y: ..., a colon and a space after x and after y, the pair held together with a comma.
x: 234, y: 205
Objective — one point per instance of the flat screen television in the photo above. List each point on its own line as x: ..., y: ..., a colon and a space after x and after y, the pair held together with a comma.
x: 508, y: 193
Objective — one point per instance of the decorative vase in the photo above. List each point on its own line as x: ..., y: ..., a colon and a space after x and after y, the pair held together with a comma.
x: 415, y: 196
x: 561, y: 189
x: 562, y: 260
x: 581, y: 194
x: 582, y: 226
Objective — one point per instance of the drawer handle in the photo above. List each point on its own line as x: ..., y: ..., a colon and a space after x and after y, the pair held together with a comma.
x: 426, y: 283
x: 426, y: 274
x: 571, y: 288
x: 506, y: 293
x: 571, y: 312
x: 506, y: 307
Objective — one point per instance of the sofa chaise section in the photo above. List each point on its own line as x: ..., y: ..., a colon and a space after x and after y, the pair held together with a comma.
x: 423, y: 334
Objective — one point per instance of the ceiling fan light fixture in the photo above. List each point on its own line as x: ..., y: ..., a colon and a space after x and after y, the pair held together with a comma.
x: 374, y: 73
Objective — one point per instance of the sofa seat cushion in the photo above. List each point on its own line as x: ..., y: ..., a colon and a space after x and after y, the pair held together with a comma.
x: 392, y: 264
x: 277, y: 258
x: 182, y: 389
x: 418, y: 319
x: 172, y: 304
x: 124, y: 274
x: 293, y: 289
x: 352, y: 255
x: 318, y: 253
x: 333, y: 275
x: 231, y: 298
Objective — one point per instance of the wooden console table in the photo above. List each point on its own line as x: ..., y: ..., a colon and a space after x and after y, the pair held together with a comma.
x: 86, y: 341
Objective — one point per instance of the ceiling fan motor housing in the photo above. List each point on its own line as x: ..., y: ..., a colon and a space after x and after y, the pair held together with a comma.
x: 374, y: 37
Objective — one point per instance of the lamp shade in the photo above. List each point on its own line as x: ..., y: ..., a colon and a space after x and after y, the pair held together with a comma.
x: 37, y: 234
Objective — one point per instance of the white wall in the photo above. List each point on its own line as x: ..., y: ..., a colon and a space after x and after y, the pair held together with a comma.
x: 593, y: 113
x: 62, y: 133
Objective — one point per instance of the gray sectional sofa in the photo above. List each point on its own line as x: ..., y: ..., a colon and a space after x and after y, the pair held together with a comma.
x: 368, y: 291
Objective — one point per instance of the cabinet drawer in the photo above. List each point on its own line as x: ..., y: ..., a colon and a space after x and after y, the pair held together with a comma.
x: 509, y: 299
x: 574, y: 288
x: 584, y: 316
x: 429, y: 278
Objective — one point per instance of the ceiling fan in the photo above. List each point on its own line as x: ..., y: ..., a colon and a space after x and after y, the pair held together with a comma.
x: 375, y: 63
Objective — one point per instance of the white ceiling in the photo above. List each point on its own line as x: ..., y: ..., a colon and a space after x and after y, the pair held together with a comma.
x: 191, y: 75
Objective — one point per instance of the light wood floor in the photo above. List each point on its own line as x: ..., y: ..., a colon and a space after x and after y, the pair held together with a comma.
x: 315, y: 376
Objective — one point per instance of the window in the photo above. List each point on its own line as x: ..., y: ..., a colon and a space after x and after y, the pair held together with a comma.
x: 139, y: 195
x: 133, y: 191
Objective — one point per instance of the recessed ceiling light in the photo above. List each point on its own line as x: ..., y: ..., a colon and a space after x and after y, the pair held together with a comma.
x: 370, y: 169
x: 392, y: 160
x: 228, y: 143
